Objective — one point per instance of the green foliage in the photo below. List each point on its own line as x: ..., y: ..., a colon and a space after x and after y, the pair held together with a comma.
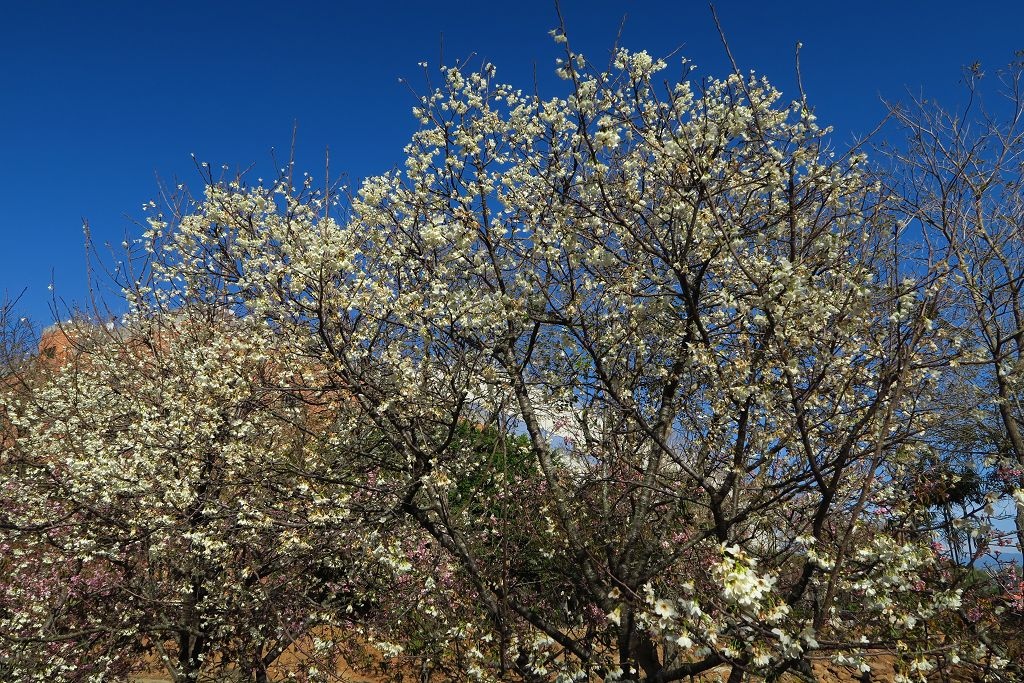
x: 493, y: 461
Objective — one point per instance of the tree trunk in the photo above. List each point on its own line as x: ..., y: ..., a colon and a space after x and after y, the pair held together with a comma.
x: 1019, y: 521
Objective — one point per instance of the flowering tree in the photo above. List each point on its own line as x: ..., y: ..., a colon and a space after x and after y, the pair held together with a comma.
x: 158, y: 511
x: 629, y: 384
x: 695, y: 315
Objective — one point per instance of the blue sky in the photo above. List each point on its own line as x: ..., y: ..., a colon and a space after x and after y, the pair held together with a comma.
x: 99, y: 99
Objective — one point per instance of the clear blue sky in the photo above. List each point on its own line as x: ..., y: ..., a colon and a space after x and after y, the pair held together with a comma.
x: 99, y: 98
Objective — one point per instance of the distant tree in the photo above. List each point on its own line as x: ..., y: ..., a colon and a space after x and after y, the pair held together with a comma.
x: 960, y: 180
x: 16, y: 336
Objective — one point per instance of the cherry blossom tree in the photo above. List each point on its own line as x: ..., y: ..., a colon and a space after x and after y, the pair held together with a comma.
x: 159, y: 518
x: 632, y: 383
x: 695, y: 314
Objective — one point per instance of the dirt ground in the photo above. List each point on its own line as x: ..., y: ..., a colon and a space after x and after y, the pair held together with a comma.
x: 826, y: 672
